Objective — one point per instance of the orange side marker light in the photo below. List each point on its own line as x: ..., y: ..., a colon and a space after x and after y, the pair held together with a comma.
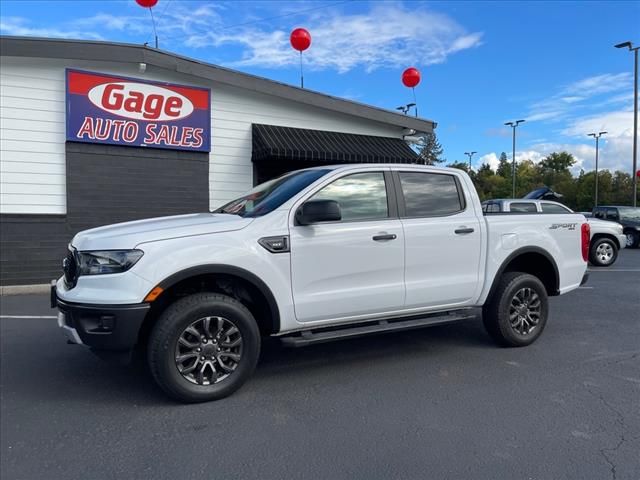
x: 153, y: 294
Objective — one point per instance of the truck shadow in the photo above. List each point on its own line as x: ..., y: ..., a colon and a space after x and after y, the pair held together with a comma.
x: 424, y: 342
x: 72, y: 376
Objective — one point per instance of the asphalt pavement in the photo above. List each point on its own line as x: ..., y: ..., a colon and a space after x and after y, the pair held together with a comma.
x: 441, y: 402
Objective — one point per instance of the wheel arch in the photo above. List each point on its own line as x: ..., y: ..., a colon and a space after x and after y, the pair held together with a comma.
x: 608, y: 236
x: 534, y: 261
x: 233, y: 281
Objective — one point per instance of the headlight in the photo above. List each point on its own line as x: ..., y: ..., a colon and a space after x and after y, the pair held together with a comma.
x: 107, y: 261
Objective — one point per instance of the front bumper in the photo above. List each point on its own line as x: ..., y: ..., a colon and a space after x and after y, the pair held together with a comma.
x: 101, y: 327
x: 622, y: 240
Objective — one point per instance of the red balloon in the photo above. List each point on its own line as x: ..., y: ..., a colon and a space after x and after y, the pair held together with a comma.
x: 638, y: 173
x: 147, y: 3
x: 411, y: 77
x: 300, y: 39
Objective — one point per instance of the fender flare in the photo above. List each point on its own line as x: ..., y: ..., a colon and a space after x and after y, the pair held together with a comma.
x: 515, y: 254
x: 212, y: 269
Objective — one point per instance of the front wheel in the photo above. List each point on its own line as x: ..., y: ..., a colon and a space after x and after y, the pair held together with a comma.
x: 603, y: 252
x: 516, y: 313
x: 633, y: 239
x: 203, y: 347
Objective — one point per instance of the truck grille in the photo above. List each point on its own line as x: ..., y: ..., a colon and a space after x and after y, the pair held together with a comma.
x: 70, y: 268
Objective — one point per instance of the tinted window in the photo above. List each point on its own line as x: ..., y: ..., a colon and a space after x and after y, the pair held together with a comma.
x: 493, y: 208
x: 630, y: 213
x: 523, y: 207
x: 612, y: 214
x: 598, y: 213
x: 360, y: 196
x: 270, y: 195
x: 553, y: 208
x: 429, y: 194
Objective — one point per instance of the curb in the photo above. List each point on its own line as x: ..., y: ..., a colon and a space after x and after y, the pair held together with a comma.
x: 24, y: 289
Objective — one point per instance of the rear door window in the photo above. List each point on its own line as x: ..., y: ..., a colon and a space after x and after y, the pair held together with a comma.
x: 430, y: 194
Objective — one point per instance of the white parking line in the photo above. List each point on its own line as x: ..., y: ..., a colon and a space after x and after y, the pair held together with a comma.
x: 586, y: 288
x: 6, y: 317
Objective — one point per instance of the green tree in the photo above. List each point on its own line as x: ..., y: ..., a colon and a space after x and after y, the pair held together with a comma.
x: 430, y: 153
x: 504, y: 167
x: 554, y: 169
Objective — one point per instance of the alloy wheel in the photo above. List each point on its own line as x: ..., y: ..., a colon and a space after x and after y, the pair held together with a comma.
x: 208, y: 350
x: 524, y: 311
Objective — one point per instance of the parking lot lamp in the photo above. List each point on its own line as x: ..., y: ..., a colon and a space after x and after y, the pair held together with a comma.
x: 597, y: 137
x: 513, y: 125
x: 470, y: 154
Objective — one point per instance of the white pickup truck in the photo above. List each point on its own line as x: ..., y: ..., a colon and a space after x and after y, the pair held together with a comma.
x: 315, y: 255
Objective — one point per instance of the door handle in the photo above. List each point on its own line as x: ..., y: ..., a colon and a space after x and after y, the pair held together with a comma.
x: 385, y: 236
x: 463, y: 230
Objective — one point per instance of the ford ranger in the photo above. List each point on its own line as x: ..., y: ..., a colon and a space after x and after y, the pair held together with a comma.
x: 315, y: 255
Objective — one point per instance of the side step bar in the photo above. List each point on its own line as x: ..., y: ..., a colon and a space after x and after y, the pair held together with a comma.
x: 329, y: 334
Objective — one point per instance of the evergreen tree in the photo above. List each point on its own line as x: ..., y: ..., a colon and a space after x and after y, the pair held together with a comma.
x: 504, y: 167
x: 430, y: 152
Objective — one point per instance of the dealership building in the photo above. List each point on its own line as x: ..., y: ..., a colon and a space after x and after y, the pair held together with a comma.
x: 93, y: 133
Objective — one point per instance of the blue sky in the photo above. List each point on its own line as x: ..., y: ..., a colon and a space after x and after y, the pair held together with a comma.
x: 482, y: 63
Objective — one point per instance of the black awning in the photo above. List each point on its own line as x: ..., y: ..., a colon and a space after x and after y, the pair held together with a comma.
x: 271, y: 142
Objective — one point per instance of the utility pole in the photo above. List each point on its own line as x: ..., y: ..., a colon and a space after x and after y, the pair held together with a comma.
x: 634, y: 173
x: 514, y: 125
x: 597, y: 137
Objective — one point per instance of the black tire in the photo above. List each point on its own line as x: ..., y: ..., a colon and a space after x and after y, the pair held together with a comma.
x: 172, y: 325
x: 496, y: 312
x: 603, y: 252
x: 633, y: 239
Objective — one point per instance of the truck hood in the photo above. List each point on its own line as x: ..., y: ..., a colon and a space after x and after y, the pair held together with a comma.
x: 130, y: 234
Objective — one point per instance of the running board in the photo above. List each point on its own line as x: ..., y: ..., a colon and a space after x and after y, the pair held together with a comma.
x: 329, y: 334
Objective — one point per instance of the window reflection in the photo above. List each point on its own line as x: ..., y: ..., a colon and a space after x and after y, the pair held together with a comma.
x: 429, y: 194
x: 360, y: 196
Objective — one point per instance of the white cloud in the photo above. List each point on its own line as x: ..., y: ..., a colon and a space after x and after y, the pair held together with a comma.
x: 491, y: 159
x: 605, y: 83
x: 584, y: 94
x: 21, y: 27
x: 389, y: 35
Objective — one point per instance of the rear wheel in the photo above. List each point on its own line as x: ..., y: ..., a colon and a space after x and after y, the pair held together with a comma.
x: 203, y: 347
x: 516, y: 314
x: 603, y: 252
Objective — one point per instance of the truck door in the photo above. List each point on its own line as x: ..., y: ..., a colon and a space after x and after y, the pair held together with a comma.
x: 442, y: 240
x: 355, y: 266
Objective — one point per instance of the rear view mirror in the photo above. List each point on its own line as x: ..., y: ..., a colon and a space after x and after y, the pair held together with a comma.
x: 315, y: 211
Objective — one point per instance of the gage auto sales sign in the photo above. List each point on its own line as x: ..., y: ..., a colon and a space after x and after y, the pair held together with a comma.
x: 125, y: 111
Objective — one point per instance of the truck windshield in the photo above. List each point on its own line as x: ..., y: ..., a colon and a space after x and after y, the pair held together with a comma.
x: 268, y: 196
x: 629, y: 213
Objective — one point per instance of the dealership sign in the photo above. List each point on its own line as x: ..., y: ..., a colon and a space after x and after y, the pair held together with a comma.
x: 126, y: 111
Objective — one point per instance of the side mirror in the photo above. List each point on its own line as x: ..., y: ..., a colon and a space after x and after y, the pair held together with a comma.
x: 315, y: 211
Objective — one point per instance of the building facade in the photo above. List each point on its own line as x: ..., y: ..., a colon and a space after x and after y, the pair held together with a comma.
x: 58, y: 178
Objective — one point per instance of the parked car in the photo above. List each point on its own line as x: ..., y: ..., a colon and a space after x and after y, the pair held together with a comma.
x: 628, y: 217
x: 315, y: 255
x: 607, y: 238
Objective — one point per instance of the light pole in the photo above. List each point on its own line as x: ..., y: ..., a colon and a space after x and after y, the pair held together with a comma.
x: 513, y: 125
x: 630, y: 46
x: 470, y: 154
x: 597, y: 137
